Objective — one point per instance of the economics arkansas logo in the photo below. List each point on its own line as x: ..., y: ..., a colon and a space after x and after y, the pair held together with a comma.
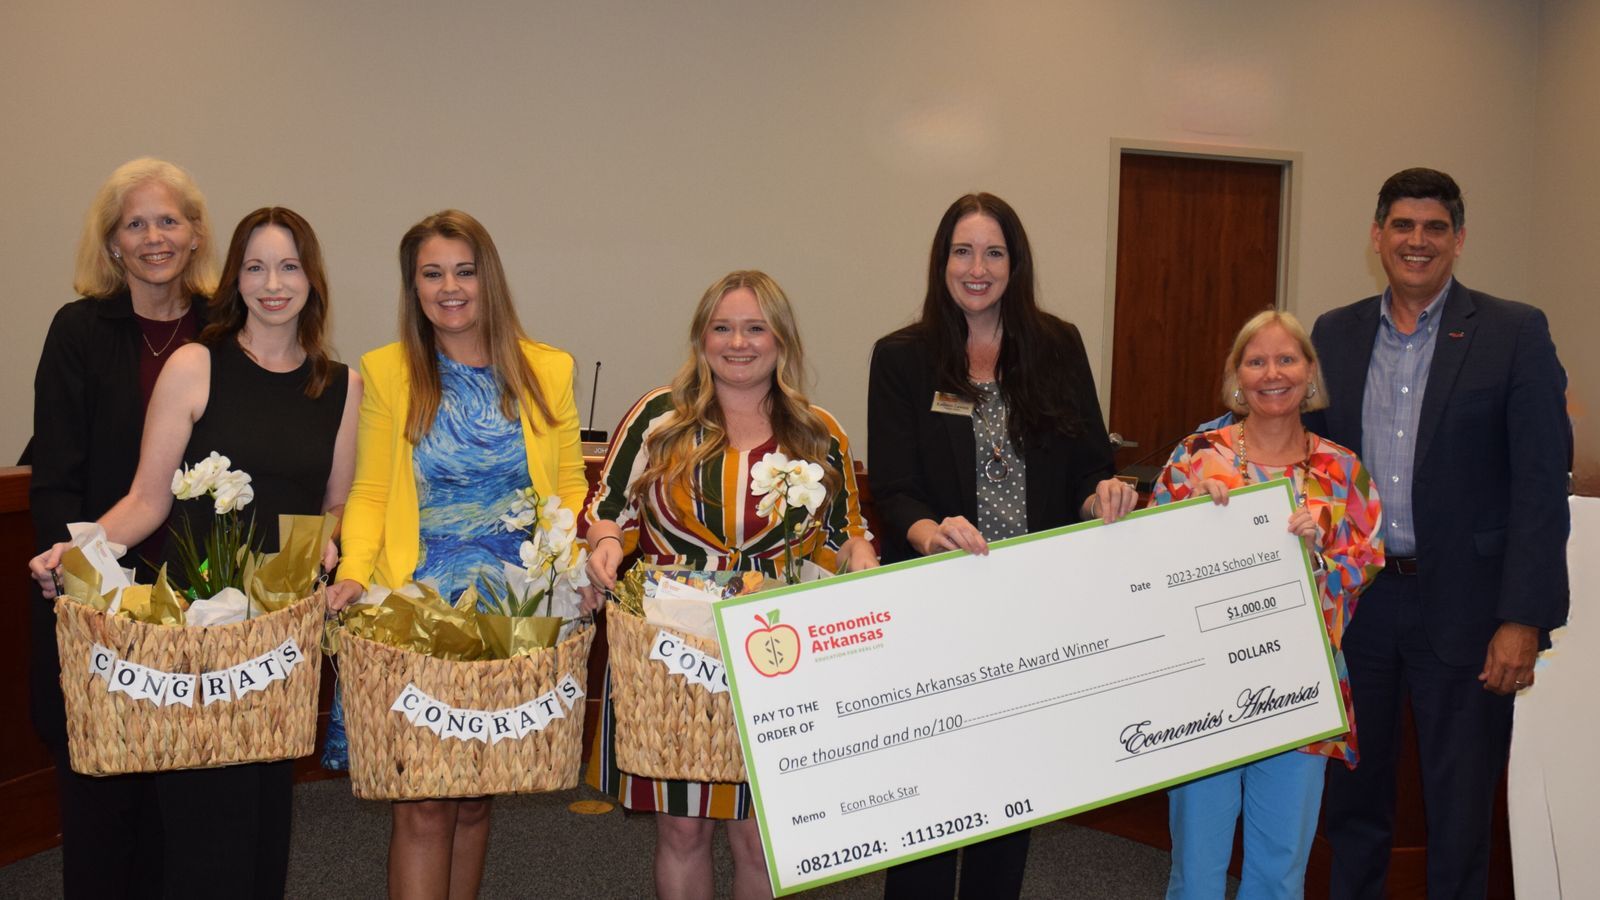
x: 773, y: 649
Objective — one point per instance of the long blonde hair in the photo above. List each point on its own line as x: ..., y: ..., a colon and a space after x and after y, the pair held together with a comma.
x: 96, y: 273
x: 502, y: 331
x: 696, y: 432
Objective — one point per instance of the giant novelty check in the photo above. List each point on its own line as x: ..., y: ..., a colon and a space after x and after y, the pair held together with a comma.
x: 896, y: 713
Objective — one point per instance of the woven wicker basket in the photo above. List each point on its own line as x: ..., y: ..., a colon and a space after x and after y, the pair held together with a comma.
x: 112, y: 733
x: 392, y: 759
x: 665, y: 726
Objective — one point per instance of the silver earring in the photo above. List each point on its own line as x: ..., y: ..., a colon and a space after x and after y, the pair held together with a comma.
x: 1311, y: 391
x: 1238, y: 397
x: 116, y: 255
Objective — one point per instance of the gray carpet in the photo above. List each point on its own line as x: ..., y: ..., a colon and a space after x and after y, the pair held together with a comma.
x: 540, y: 849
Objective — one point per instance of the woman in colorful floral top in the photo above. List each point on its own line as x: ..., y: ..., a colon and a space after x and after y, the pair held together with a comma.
x: 1270, y: 378
x: 675, y: 460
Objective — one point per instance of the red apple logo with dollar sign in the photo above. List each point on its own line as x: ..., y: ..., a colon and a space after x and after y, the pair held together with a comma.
x: 773, y: 649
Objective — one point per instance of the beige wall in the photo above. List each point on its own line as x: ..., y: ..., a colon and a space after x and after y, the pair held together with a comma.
x: 1566, y: 225
x: 626, y: 154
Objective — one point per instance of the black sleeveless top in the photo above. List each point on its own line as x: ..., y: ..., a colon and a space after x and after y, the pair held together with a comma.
x: 266, y: 425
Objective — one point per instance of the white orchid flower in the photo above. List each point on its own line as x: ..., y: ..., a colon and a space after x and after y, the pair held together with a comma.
x: 771, y: 501
x: 557, y: 517
x: 190, y: 483
x: 809, y: 496
x: 533, y: 554
x: 783, y: 484
x: 523, y: 513
x: 209, y: 472
x: 183, y: 485
x: 560, y: 540
x: 767, y: 474
x: 575, y: 571
x: 518, y: 520
x: 232, y: 492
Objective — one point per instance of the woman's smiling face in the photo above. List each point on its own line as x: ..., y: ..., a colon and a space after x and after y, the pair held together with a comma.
x: 447, y: 285
x: 979, y: 266
x: 738, y: 343
x: 154, y: 239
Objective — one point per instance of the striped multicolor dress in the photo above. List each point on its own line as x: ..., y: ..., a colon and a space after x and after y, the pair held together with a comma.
x: 1339, y: 491
x: 674, y: 525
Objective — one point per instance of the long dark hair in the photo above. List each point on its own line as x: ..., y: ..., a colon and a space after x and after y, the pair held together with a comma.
x: 228, y: 312
x: 1035, y: 376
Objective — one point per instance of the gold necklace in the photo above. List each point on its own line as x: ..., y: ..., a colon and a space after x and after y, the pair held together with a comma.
x: 177, y: 327
x: 1289, y: 470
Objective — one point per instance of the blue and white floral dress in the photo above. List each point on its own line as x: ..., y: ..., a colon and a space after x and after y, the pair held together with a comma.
x: 469, y: 468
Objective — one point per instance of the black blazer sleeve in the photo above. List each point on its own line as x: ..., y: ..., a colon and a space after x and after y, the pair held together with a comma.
x: 80, y: 351
x: 61, y: 420
x: 911, y: 467
x: 1533, y: 587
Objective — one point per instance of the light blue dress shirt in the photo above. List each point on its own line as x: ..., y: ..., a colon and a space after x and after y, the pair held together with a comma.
x: 1397, y: 378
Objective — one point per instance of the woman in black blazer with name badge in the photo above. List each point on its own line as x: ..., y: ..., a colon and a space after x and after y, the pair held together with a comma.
x: 983, y: 424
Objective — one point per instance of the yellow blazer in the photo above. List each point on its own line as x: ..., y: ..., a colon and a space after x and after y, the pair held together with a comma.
x: 381, y: 535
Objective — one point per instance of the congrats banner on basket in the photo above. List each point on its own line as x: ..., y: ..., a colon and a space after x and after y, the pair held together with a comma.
x: 896, y: 713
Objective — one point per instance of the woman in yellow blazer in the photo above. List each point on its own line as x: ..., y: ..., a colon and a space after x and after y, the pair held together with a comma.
x: 437, y: 463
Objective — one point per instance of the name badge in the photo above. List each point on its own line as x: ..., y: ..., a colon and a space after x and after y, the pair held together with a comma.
x: 951, y: 404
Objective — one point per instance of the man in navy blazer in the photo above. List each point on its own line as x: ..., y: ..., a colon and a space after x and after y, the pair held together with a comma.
x: 1455, y: 401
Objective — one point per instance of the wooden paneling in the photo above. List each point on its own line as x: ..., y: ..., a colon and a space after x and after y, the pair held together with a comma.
x: 1197, y: 255
x: 27, y: 778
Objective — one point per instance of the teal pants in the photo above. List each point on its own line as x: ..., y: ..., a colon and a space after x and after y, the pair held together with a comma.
x: 1279, y: 797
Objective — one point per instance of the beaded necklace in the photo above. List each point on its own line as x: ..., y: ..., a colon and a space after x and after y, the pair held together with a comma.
x: 1296, y: 471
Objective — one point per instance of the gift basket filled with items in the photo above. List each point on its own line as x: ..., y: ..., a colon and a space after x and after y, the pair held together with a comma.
x: 221, y: 668
x: 669, y: 690
x: 476, y: 695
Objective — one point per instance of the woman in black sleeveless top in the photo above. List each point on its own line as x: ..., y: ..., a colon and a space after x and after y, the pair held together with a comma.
x: 261, y: 389
x: 266, y: 425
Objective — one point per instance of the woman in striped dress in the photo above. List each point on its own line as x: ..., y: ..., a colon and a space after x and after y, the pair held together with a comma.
x: 677, y: 457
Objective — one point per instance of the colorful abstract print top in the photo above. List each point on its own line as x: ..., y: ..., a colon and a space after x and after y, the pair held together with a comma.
x: 713, y: 524
x: 1340, y: 494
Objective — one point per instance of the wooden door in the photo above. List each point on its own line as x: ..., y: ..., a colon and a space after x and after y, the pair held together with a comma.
x: 1197, y: 255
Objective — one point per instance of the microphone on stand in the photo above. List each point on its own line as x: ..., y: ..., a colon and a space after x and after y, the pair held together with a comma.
x: 594, y: 439
x: 1137, y: 472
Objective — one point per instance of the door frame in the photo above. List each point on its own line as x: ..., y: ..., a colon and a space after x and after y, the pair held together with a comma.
x: 1290, y: 161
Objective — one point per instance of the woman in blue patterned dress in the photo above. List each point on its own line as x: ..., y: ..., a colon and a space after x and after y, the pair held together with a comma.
x: 460, y: 414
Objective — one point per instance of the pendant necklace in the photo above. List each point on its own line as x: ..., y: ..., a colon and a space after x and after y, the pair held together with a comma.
x: 177, y: 326
x: 994, y: 468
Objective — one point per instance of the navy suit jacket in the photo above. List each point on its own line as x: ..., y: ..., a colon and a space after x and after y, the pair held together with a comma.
x: 1489, y: 488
